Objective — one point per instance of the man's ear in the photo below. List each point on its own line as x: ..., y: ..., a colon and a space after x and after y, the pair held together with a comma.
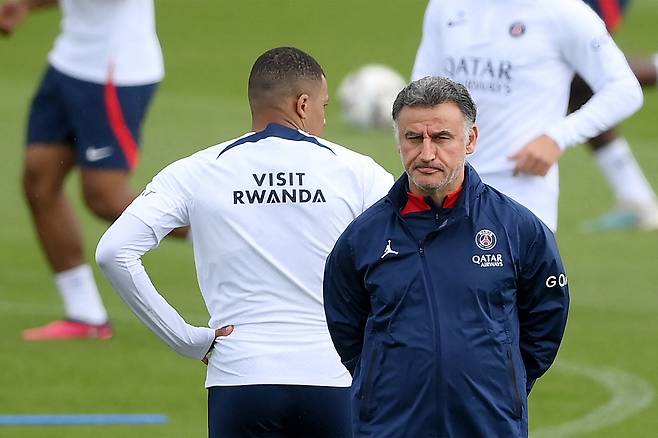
x: 301, y: 105
x: 472, y: 140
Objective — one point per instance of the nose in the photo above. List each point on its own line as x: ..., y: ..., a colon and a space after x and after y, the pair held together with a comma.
x: 428, y: 151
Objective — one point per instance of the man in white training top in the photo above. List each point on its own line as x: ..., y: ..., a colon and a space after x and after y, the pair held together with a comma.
x: 517, y: 58
x: 265, y: 210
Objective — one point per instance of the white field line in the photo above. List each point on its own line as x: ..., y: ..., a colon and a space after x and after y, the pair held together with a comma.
x: 629, y: 396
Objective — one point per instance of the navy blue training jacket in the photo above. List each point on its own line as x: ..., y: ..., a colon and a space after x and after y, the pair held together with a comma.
x: 446, y: 318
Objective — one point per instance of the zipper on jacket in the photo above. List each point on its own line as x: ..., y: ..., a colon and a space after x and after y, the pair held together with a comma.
x: 515, y: 386
x: 435, y: 335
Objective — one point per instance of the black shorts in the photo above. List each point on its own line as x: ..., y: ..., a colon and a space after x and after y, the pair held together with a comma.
x: 280, y: 411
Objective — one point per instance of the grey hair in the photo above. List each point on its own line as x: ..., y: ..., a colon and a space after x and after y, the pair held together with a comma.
x: 435, y: 90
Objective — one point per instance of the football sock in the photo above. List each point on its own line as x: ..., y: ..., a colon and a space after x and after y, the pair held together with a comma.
x: 82, y: 302
x: 623, y: 173
x: 655, y: 64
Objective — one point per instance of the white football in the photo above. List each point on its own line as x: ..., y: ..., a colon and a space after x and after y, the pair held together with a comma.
x: 366, y: 96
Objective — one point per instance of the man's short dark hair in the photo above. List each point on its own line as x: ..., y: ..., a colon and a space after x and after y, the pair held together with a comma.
x: 280, y: 71
x: 434, y: 90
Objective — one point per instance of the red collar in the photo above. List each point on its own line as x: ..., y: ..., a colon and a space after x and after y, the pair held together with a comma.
x: 417, y: 204
x: 451, y: 200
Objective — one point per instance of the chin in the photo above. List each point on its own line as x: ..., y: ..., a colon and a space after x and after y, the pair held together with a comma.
x: 429, y: 185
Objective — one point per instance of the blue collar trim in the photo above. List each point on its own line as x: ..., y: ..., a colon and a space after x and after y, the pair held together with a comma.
x: 276, y: 130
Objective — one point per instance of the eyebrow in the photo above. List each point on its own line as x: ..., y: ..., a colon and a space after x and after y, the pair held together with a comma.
x: 441, y: 133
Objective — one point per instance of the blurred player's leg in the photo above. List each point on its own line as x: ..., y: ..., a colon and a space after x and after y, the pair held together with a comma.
x: 106, y: 192
x: 49, y: 158
x: 636, y: 201
x: 645, y: 69
x: 46, y: 167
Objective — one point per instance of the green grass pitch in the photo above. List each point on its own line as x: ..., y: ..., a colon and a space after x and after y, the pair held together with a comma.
x: 209, y: 48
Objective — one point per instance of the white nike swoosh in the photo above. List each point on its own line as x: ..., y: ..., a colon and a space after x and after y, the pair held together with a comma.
x: 95, y: 154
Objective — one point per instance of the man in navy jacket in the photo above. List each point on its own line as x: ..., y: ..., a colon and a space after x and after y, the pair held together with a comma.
x: 446, y: 299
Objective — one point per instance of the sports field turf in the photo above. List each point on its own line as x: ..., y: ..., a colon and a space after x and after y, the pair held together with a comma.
x: 607, y: 370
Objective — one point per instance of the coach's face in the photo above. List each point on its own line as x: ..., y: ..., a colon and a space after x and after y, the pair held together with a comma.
x: 433, y: 146
x: 311, y: 106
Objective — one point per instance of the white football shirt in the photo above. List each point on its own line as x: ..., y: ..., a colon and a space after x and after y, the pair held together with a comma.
x: 103, y: 37
x: 517, y: 58
x: 265, y: 211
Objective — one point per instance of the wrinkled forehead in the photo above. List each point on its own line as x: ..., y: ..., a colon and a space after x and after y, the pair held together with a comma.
x: 444, y: 116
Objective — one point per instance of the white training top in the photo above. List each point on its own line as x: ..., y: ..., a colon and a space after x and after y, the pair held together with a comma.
x: 265, y: 211
x: 103, y: 37
x: 517, y: 58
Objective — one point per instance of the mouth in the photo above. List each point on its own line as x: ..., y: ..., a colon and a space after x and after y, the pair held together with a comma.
x: 427, y: 170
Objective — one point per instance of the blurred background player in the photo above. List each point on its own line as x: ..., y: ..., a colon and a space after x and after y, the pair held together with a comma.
x: 87, y: 112
x: 636, y: 200
x: 266, y: 209
x: 518, y: 58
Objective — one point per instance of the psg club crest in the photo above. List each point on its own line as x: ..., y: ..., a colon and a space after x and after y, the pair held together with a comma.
x: 485, y: 240
x: 517, y: 29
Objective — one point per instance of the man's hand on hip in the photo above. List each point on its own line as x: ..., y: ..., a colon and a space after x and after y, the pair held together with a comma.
x: 220, y: 332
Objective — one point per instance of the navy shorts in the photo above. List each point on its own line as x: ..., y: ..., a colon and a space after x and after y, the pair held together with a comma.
x: 278, y: 411
x: 611, y: 11
x: 101, y: 122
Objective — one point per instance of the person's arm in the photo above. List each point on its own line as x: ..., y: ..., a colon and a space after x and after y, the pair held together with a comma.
x: 586, y: 45
x: 427, y: 56
x: 346, y: 304
x: 119, y: 255
x: 13, y: 12
x: 163, y: 206
x: 543, y: 300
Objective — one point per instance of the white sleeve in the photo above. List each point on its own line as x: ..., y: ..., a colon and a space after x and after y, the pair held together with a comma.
x: 376, y: 183
x: 164, y: 203
x: 428, y: 54
x: 589, y: 49
x: 119, y: 256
